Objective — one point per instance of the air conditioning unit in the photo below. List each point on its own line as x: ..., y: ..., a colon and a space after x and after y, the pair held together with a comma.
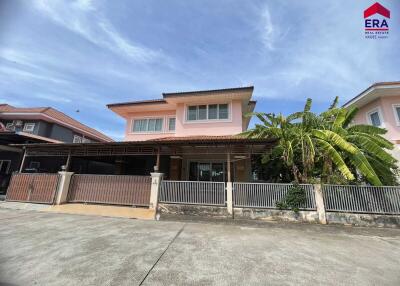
x: 18, y: 123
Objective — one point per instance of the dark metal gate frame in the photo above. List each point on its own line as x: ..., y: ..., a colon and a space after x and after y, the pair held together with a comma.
x: 23, y: 185
x: 126, y: 190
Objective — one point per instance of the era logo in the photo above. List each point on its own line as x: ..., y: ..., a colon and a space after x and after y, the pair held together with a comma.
x: 372, y: 22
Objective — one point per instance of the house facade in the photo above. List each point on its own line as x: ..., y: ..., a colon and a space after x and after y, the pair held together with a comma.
x: 379, y: 105
x: 213, y: 114
x: 36, y: 125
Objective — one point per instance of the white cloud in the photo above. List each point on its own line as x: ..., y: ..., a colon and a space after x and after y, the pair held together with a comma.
x: 324, y: 47
x: 14, y: 73
x: 269, y: 31
x: 82, y: 17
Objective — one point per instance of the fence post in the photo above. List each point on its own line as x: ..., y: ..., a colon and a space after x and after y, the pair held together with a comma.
x: 156, y: 179
x: 229, y: 197
x: 63, y: 187
x: 319, y: 201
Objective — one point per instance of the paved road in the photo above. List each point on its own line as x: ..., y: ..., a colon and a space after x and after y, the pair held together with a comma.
x: 59, y: 249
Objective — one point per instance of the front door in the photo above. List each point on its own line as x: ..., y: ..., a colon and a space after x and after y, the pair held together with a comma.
x: 207, y: 171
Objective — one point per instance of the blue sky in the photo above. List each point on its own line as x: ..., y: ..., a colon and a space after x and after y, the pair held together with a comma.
x: 81, y: 55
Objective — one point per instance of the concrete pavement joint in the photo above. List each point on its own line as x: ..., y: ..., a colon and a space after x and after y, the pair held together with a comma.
x: 162, y: 254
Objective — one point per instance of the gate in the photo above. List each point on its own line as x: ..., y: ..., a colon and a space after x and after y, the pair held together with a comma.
x: 110, y: 189
x: 35, y: 188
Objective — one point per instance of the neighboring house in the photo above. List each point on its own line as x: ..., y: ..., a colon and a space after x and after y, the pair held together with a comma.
x: 185, y: 116
x: 37, y: 125
x: 379, y: 105
x: 47, y: 122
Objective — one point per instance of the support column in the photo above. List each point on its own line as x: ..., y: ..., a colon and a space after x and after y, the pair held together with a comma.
x: 157, y: 166
x: 319, y: 201
x: 63, y: 187
x: 68, y: 163
x: 229, y: 186
x: 21, y: 167
x: 156, y: 179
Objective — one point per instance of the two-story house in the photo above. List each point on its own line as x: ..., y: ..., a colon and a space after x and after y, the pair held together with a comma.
x: 187, y: 136
x: 379, y: 105
x: 185, y: 116
x: 37, y: 125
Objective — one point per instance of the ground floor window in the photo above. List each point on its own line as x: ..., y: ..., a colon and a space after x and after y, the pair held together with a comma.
x: 207, y: 171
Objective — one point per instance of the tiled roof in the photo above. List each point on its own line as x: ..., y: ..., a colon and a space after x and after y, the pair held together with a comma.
x: 198, y: 92
x: 208, y: 139
x: 201, y: 92
x: 198, y: 137
x: 57, y: 115
x: 149, y: 101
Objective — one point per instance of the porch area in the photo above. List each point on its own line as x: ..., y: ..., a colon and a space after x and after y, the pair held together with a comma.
x: 212, y: 159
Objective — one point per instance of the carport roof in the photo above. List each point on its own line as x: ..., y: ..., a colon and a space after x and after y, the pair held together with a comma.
x: 172, y: 145
x: 189, y: 140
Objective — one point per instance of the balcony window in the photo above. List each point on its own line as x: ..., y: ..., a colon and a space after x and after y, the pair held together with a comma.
x: 223, y: 111
x: 202, y: 112
x: 171, y: 124
x: 213, y: 111
x: 207, y: 112
x: 192, y: 113
x: 147, y: 125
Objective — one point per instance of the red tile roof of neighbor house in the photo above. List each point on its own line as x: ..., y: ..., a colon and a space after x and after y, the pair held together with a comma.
x: 57, y: 116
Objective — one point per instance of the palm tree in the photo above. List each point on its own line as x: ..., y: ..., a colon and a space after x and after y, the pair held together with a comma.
x: 307, y: 140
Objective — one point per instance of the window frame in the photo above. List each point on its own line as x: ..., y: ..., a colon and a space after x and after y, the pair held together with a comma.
x: 396, y: 115
x: 32, y: 124
x: 77, y: 136
x: 162, y: 118
x: 167, y: 122
x: 10, y: 126
x: 380, y: 115
x: 186, y: 113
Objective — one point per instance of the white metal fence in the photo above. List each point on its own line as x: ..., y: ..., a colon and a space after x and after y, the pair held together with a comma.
x: 339, y: 198
x: 362, y: 199
x: 193, y: 192
x: 266, y: 195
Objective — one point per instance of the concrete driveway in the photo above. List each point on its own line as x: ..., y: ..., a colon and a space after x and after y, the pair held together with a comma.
x: 60, y: 249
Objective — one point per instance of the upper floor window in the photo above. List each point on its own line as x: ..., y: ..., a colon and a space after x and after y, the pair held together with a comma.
x: 207, y: 112
x: 147, y: 125
x: 375, y: 118
x: 396, y: 110
x: 29, y: 127
x: 10, y: 126
x: 171, y: 123
x: 77, y: 139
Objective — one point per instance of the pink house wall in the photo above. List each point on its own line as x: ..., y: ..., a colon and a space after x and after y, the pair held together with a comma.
x: 387, y: 114
x: 232, y: 126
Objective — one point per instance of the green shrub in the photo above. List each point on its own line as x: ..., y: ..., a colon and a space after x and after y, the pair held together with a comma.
x: 294, y: 199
